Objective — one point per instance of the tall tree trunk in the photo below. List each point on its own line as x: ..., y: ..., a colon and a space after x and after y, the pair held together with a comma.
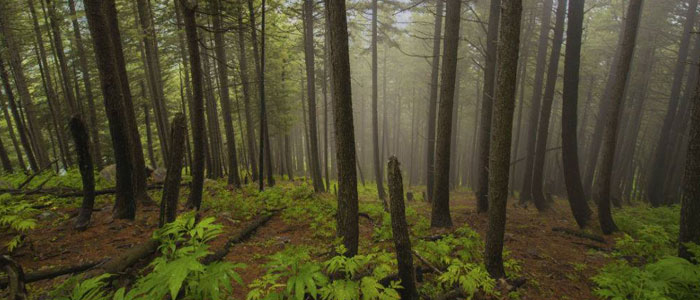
x: 690, y: 199
x: 153, y: 73
x: 171, y: 188
x: 11, y: 131
x: 316, y: 176
x: 196, y: 106
x: 149, y: 136
x: 6, y: 164
x: 87, y: 171
x: 432, y: 101
x: 504, y: 106
x: 115, y: 106
x: 55, y: 20
x: 220, y: 51
x: 661, y: 157
x: 399, y: 230
x: 36, y: 152
x: 375, y: 119
x: 440, y: 216
x: 212, y: 116
x: 85, y: 71
x: 537, y: 179
x: 482, y: 189
x: 245, y: 83
x: 607, y: 224
x: 533, y: 118
x: 347, y: 219
x: 569, y: 119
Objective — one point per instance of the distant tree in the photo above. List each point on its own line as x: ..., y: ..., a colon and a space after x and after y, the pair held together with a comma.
x: 347, y: 218
x: 440, y: 216
x: 432, y: 102
x: 245, y: 83
x: 21, y: 131
x: 375, y: 119
x: 607, y: 225
x: 67, y: 85
x: 504, y: 106
x: 482, y: 190
x: 316, y: 175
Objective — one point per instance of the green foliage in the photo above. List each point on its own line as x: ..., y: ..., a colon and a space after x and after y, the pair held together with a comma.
x: 17, y: 216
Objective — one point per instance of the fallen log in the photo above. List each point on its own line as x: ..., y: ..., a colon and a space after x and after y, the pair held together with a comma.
x: 580, y: 234
x: 70, y: 193
x: 238, y: 238
x: 52, y: 273
x: 15, y: 277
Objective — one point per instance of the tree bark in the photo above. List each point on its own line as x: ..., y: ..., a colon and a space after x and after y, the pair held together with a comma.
x: 432, y: 101
x: 87, y: 171
x: 375, y: 117
x: 499, y: 160
x: 196, y: 106
x: 626, y: 54
x: 149, y: 138
x: 347, y: 218
x: 399, y: 229
x: 6, y: 164
x: 115, y: 106
x: 11, y: 131
x: 482, y: 189
x: 690, y: 200
x: 537, y: 179
x: 245, y: 83
x: 171, y: 187
x: 316, y: 176
x: 440, y: 216
x: 54, y: 19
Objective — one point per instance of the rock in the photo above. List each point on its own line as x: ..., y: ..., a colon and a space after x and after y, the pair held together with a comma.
x: 47, y: 215
x: 158, y: 175
x: 109, y: 173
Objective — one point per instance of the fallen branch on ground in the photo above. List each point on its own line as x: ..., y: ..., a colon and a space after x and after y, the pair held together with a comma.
x: 52, y: 273
x: 238, y: 238
x: 69, y: 193
x: 580, y: 234
x: 31, y: 177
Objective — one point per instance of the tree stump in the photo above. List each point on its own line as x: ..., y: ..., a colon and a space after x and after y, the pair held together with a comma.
x: 399, y: 228
x: 171, y: 188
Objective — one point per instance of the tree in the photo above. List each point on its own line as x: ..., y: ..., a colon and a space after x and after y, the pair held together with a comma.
x: 690, y: 200
x: 316, y: 176
x: 245, y: 83
x: 607, y: 225
x: 399, y: 231
x: 533, y: 119
x: 375, y: 119
x: 537, y: 179
x: 499, y: 158
x: 196, y: 106
x: 115, y: 106
x: 661, y: 156
x: 21, y: 131
x: 432, y: 102
x: 67, y: 87
x: 87, y: 171
x: 482, y: 190
x: 347, y: 219
x: 6, y: 164
x: 569, y: 135
x: 440, y: 216
x: 222, y: 68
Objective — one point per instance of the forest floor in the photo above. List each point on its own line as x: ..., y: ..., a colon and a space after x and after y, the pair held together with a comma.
x: 555, y: 264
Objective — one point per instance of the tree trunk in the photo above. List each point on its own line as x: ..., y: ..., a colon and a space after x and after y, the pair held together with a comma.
x: 626, y: 54
x: 171, y: 187
x: 533, y: 118
x: 572, y: 61
x: 115, y: 106
x: 6, y: 164
x: 375, y: 117
x: 690, y: 200
x: 13, y: 137
x: 149, y: 136
x: 196, y: 106
x: 661, y: 157
x: 245, y: 83
x: 54, y: 18
x: 87, y: 171
x: 85, y: 71
x: 316, y: 176
x: 399, y: 229
x: 347, y: 219
x: 212, y: 115
x: 499, y: 160
x: 432, y: 101
x: 440, y: 216
x: 537, y: 179
x: 482, y: 189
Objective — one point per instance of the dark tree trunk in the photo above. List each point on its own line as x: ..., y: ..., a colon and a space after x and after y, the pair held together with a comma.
x: 690, y: 200
x: 213, y: 167
x: 607, y: 225
x: 533, y: 118
x: 504, y: 106
x: 171, y: 187
x: 115, y: 106
x: 432, y: 102
x: 6, y: 164
x: 399, y: 229
x: 24, y: 140
x: 149, y: 136
x: 572, y: 61
x: 316, y: 176
x: 347, y: 219
x: 35, y: 147
x: 661, y: 157
x: 13, y: 137
x: 85, y: 71
x: 245, y: 83
x: 482, y: 189
x: 375, y: 118
x: 55, y: 20
x: 87, y: 171
x: 440, y: 216
x: 196, y: 106
x: 537, y: 179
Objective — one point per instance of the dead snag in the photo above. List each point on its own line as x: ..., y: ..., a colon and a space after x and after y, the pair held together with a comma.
x: 171, y: 188
x: 87, y: 170
x: 399, y: 228
x: 15, y: 276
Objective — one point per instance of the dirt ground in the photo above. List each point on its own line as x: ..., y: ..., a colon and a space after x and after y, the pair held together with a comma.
x: 556, y: 265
